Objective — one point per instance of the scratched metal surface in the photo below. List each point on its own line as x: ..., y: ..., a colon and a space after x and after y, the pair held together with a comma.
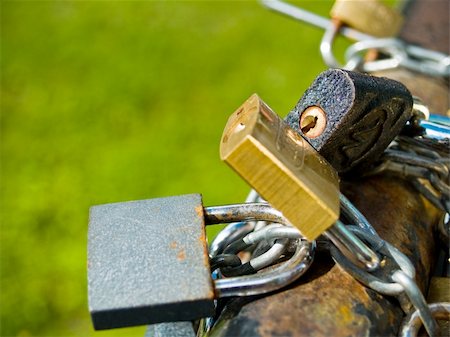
x: 364, y: 113
x: 174, y: 329
x: 148, y: 263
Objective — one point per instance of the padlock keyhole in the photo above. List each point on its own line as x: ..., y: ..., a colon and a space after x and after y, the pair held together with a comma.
x: 309, y: 123
x: 313, y: 122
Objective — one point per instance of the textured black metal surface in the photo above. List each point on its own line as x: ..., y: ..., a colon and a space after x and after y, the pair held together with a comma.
x: 364, y: 113
x: 148, y: 263
x: 173, y: 329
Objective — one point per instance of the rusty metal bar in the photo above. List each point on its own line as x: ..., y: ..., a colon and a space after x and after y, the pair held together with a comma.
x: 328, y: 301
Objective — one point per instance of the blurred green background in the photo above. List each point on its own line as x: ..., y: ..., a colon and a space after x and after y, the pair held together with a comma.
x: 107, y: 101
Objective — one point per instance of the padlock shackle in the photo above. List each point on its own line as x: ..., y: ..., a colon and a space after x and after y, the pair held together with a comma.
x: 254, y: 211
x: 269, y: 280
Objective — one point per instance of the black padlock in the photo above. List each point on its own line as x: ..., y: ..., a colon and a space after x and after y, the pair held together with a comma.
x: 350, y: 118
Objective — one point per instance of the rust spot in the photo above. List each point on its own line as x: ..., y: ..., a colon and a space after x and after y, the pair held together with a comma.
x: 181, y: 255
x: 346, y: 314
x: 199, y: 211
x: 173, y: 244
x: 203, y: 242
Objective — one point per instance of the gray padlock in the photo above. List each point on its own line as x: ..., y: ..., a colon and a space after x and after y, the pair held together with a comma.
x: 148, y: 261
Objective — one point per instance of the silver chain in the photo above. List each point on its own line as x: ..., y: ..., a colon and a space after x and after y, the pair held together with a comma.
x: 400, y: 280
x: 398, y: 53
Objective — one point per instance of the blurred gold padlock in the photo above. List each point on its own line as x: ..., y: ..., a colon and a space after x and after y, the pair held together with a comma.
x: 368, y: 16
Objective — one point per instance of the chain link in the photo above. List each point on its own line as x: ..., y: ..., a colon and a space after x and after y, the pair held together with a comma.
x: 427, y: 169
x: 402, y: 277
x: 412, y: 324
x: 397, y: 52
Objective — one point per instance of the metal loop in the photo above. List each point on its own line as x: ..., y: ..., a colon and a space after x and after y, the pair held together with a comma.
x: 437, y: 145
x: 326, y: 47
x: 354, y: 216
x: 441, y: 186
x: 243, y: 212
x: 269, y: 280
x: 393, y: 48
x: 369, y: 280
x: 428, y: 193
x: 420, y: 109
x: 303, y: 15
x: 414, y: 160
x: 401, y: 54
x: 234, y: 231
x: 270, y: 232
x: 266, y: 280
x: 416, y: 297
x: 352, y: 247
x: 271, y: 256
x: 412, y: 324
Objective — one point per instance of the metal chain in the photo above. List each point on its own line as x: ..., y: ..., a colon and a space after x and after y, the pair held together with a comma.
x: 398, y: 53
x: 402, y: 277
x: 426, y: 167
x: 412, y: 324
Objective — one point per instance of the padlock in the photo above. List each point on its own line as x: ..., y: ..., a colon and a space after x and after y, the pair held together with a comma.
x: 148, y: 261
x: 282, y: 167
x: 368, y: 16
x: 350, y: 118
x: 289, y: 173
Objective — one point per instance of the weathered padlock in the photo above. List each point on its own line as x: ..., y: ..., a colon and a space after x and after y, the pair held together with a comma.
x: 148, y: 261
x: 368, y: 16
x: 289, y: 173
x: 350, y: 118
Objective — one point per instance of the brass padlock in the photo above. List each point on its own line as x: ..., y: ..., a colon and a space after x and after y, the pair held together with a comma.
x: 282, y: 166
x: 368, y: 16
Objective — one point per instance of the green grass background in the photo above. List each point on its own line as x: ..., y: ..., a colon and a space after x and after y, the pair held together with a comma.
x: 107, y: 101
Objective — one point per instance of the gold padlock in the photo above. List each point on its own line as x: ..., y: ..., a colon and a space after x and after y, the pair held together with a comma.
x: 368, y: 16
x: 282, y: 167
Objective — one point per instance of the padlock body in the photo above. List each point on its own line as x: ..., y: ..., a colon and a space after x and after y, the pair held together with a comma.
x: 369, y: 16
x: 363, y: 115
x: 282, y: 167
x: 148, y: 262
